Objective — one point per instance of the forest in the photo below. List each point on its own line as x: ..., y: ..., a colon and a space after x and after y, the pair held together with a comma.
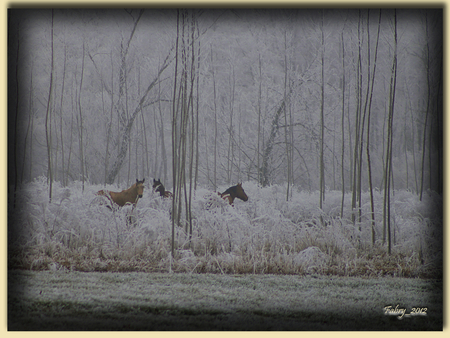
x: 331, y: 118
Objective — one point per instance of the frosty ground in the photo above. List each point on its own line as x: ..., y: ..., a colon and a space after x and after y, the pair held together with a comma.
x: 49, y: 300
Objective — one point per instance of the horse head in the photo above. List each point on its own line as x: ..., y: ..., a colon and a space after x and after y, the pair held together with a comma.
x: 235, y: 191
x: 158, y: 187
x: 140, y: 187
x: 156, y: 183
x: 240, y: 193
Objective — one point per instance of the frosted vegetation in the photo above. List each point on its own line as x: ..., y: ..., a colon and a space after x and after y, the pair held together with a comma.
x: 265, y: 235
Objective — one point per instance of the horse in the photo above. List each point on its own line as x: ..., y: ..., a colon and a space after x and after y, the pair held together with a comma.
x: 218, y: 199
x: 128, y: 196
x: 158, y: 187
x: 233, y: 192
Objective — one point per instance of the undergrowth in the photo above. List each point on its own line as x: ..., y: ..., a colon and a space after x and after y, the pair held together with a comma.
x: 266, y: 234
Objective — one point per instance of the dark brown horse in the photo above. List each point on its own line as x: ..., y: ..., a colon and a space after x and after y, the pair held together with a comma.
x: 158, y: 187
x: 130, y: 196
x: 233, y: 192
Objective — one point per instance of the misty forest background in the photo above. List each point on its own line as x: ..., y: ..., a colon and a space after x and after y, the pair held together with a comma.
x: 338, y: 106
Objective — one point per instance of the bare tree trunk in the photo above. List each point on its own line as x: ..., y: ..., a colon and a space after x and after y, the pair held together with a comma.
x: 127, y: 130
x: 82, y: 165
x: 356, y: 158
x: 322, y: 127
x: 124, y: 123
x: 258, y: 151
x: 265, y: 170
x: 428, y: 109
x: 71, y: 131
x: 439, y: 126
x: 29, y: 130
x: 175, y: 140
x: 163, y: 144
x: 230, y: 131
x: 61, y: 116
x: 286, y: 140
x: 183, y: 122
x: 366, y: 102
x: 15, y: 154
x: 192, y: 128
x: 369, y: 167
x: 108, y: 133
x: 146, y: 164
x: 343, y: 126
x: 48, y: 118
x: 388, y: 169
x: 197, y: 153
x: 215, y: 121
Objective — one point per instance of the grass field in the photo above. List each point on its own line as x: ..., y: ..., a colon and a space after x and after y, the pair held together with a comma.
x: 56, y: 300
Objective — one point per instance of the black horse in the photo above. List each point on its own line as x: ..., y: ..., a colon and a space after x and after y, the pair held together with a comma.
x: 158, y: 187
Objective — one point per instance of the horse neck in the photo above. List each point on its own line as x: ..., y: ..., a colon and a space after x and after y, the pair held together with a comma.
x: 160, y: 188
x: 231, y: 191
x: 231, y: 194
x: 132, y: 192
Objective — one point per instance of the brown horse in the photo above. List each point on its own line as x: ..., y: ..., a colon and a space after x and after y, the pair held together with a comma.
x: 158, y: 187
x: 232, y: 192
x: 131, y: 195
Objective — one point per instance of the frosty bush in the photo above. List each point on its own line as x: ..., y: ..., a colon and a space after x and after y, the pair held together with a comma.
x: 266, y: 234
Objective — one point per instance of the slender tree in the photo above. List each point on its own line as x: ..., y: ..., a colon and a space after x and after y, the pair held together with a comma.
x: 175, y: 140
x: 358, y: 124
x: 388, y: 162
x: 61, y: 116
x: 369, y: 165
x: 29, y: 131
x: 15, y: 154
x: 287, y: 126
x: 183, y: 121
x: 48, y: 114
x: 425, y: 125
x: 322, y: 124
x: 80, y: 110
x: 258, y: 151
x: 215, y: 121
x: 343, y: 125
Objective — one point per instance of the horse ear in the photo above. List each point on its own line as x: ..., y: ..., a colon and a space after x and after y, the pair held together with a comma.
x: 143, y: 180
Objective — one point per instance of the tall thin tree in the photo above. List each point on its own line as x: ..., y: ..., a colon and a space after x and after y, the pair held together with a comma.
x: 48, y: 114
x: 425, y: 125
x: 388, y: 162
x: 369, y: 165
x: 322, y: 121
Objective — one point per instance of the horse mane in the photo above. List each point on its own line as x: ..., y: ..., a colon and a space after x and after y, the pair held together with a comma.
x: 161, y: 189
x: 232, y: 192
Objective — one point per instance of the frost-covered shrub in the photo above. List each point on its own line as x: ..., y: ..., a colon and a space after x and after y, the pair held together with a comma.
x: 266, y: 234
x: 312, y: 259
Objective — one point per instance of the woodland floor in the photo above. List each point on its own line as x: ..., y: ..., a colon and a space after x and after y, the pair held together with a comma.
x: 94, y: 301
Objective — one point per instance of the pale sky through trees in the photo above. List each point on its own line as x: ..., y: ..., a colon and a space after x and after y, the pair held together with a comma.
x: 257, y: 93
